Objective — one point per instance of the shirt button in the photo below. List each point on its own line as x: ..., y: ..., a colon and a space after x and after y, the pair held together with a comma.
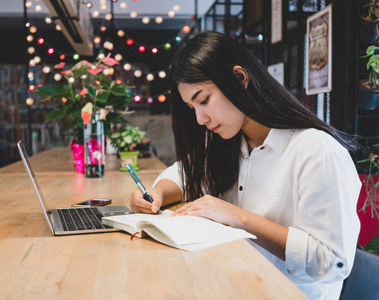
x: 241, y: 188
x: 288, y: 271
x: 262, y: 147
x: 340, y: 265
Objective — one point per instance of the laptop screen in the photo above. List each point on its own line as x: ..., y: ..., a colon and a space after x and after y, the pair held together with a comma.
x: 29, y: 169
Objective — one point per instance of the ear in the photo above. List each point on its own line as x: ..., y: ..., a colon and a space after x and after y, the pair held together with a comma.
x: 242, y: 75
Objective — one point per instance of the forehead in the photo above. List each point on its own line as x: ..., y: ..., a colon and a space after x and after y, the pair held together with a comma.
x: 188, y: 90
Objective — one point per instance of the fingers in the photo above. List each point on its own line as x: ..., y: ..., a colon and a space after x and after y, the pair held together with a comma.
x: 195, y: 208
x: 138, y: 204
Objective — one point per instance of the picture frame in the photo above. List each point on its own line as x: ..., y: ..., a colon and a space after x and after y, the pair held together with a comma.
x: 319, y: 52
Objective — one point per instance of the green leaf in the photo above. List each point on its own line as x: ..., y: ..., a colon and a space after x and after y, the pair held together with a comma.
x: 55, y: 114
x: 55, y: 90
x: 372, y: 61
x: 102, y: 97
x: 118, y: 90
x: 373, y: 245
x: 91, y: 91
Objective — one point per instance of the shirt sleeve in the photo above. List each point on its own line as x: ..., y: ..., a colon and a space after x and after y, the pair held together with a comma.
x: 322, y: 246
x: 171, y: 173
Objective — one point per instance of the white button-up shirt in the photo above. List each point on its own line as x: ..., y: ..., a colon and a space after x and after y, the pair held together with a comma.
x: 304, y: 180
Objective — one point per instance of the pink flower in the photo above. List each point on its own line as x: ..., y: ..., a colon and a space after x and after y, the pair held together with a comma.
x: 66, y: 72
x: 60, y: 65
x: 109, y: 61
x: 94, y: 71
x: 83, y: 92
x: 82, y: 63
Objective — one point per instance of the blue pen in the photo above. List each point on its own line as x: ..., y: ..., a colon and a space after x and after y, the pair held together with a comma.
x: 135, y: 176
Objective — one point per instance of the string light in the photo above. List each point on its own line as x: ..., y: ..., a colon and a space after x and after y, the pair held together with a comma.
x: 161, y: 98
x: 137, y: 73
x: 29, y: 101
x: 118, y: 57
x: 127, y: 67
x: 57, y: 77
x: 145, y: 20
x: 31, y: 50
x: 186, y: 29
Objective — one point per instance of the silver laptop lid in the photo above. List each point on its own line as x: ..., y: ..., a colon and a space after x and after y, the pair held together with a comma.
x: 29, y: 168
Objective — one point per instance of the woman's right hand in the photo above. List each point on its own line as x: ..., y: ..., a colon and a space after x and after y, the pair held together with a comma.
x: 139, y: 205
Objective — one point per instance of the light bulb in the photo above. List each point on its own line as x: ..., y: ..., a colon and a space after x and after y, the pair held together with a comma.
x: 31, y: 50
x: 46, y: 69
x: 57, y: 76
x: 137, y: 73
x: 127, y: 67
x: 145, y: 20
x: 162, y: 74
x: 158, y: 20
x: 29, y: 101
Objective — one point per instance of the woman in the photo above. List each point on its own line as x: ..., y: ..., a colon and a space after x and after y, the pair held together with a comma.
x: 252, y: 157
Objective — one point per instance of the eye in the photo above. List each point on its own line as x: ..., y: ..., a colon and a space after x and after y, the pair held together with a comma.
x: 205, y: 101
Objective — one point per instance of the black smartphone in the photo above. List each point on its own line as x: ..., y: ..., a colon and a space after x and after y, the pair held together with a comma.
x: 93, y: 202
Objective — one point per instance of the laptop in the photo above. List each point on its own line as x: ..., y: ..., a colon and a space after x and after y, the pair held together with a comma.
x: 76, y: 220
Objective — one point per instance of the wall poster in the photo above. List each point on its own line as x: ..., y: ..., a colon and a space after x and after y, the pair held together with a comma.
x: 319, y: 52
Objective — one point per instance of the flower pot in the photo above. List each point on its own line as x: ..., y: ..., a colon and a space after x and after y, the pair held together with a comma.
x: 78, y: 156
x: 367, y: 98
x: 129, y: 157
x: 368, y: 31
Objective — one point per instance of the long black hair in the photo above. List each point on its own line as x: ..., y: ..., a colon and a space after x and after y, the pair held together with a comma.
x: 210, y: 164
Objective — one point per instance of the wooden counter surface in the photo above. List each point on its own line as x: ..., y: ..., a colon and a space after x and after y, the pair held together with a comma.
x: 35, y: 264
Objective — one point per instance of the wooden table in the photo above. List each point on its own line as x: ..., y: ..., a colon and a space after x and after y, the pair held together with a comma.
x: 60, y: 159
x: 36, y: 265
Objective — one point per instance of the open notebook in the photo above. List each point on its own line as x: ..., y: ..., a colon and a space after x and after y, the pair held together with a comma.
x: 64, y: 221
x: 184, y: 232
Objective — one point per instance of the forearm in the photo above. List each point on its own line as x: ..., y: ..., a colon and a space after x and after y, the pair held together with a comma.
x: 169, y: 191
x: 270, y: 235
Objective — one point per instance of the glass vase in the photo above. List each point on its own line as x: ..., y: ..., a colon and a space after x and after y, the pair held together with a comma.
x: 94, y: 152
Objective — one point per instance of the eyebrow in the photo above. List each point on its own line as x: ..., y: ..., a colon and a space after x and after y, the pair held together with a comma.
x: 196, y: 94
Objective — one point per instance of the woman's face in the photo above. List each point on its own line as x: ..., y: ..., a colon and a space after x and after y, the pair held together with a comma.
x: 212, y: 108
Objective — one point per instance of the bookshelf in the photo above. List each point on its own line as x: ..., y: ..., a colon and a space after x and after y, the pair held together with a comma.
x: 17, y: 118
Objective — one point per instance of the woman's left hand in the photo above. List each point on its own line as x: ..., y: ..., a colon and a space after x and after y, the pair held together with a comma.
x: 214, y: 209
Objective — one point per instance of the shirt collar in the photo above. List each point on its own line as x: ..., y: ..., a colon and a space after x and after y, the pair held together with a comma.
x: 278, y: 139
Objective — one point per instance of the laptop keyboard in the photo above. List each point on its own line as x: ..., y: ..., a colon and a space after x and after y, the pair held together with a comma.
x: 86, y: 218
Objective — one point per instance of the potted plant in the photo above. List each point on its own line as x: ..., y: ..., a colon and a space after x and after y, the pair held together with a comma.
x: 369, y: 16
x: 87, y: 91
x: 368, y: 202
x: 127, y: 141
x: 368, y: 97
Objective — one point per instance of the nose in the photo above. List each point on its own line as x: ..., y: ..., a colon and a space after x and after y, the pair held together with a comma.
x: 201, y: 117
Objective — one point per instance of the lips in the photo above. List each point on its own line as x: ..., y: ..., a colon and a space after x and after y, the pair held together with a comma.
x: 214, y: 129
